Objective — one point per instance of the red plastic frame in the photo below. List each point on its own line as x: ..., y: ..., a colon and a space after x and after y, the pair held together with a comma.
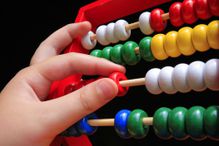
x: 99, y: 12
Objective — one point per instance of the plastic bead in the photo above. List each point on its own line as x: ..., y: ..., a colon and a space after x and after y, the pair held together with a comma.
x: 121, y: 121
x: 116, y: 54
x: 106, y: 52
x: 176, y: 123
x: 145, y: 49
x: 86, y: 41
x: 128, y: 53
x: 157, y: 47
x: 188, y: 11
x: 202, y: 9
x: 211, y: 74
x: 117, y: 77
x: 160, y: 123
x: 120, y: 31
x: 180, y: 78
x: 151, y: 81
x: 84, y: 127
x: 165, y: 80
x: 101, y: 35
x: 199, y: 38
x: 211, y: 118
x: 97, y: 53
x: 175, y: 14
x: 110, y: 36
x: 144, y: 23
x: 170, y: 45
x: 184, y: 41
x: 195, y: 76
x: 214, y: 7
x: 156, y: 21
x: 213, y: 34
x: 71, y: 131
x: 135, y: 124
x: 195, y: 122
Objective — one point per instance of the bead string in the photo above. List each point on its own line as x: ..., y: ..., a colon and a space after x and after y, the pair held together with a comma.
x: 134, y: 25
x: 110, y: 122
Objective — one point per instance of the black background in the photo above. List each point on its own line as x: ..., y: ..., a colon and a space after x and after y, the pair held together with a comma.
x: 26, y: 24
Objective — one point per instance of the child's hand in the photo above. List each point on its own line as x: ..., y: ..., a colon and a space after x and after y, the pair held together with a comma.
x: 28, y: 120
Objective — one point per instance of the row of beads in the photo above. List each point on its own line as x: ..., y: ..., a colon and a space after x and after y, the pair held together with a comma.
x: 81, y: 127
x: 196, y: 76
x: 186, y: 12
x: 190, y: 10
x: 186, y: 41
x: 180, y: 123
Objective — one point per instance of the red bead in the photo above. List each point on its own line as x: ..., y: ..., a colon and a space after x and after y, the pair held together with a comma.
x: 175, y: 14
x: 188, y: 11
x: 73, y: 87
x: 202, y: 10
x: 117, y: 77
x: 214, y: 7
x: 156, y: 20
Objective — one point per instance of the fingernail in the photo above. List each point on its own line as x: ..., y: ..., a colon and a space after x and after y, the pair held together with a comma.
x: 106, y: 89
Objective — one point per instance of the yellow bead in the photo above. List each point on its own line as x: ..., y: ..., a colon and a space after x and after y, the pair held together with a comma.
x: 157, y: 47
x: 184, y: 41
x: 170, y: 45
x: 199, y: 38
x: 213, y: 34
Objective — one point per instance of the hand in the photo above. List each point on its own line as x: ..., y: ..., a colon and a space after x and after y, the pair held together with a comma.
x: 26, y: 118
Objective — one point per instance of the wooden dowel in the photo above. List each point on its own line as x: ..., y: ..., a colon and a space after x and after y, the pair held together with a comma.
x: 165, y: 16
x: 133, y: 82
x: 101, y: 122
x: 110, y: 122
x: 137, y: 50
x: 135, y: 25
x: 131, y: 26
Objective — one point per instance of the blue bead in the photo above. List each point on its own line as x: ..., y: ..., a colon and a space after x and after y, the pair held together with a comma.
x: 71, y: 131
x: 84, y: 127
x: 121, y: 120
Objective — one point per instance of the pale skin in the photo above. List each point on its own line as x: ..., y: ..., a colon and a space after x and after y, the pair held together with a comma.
x: 27, y: 118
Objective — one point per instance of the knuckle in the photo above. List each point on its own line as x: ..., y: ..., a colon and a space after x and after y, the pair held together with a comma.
x: 84, y: 102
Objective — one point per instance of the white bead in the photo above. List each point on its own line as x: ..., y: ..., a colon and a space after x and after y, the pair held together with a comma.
x: 165, y: 80
x: 110, y: 33
x: 180, y: 78
x: 119, y: 30
x: 196, y: 76
x: 151, y: 81
x: 144, y: 23
x: 211, y: 74
x: 101, y: 35
x: 86, y: 41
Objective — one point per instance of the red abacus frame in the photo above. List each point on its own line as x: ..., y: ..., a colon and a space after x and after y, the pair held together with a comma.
x: 97, y: 13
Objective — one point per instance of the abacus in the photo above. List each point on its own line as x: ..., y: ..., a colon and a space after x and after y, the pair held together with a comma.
x: 180, y: 122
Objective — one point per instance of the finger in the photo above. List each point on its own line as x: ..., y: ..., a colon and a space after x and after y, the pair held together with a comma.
x: 59, y: 40
x: 63, y: 112
x: 41, y: 75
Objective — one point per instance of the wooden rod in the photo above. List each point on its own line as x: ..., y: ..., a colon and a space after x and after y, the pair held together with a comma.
x: 111, y: 122
x: 133, y: 82
x: 135, y: 25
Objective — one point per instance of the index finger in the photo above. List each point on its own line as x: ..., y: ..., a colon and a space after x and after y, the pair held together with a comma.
x: 59, y: 40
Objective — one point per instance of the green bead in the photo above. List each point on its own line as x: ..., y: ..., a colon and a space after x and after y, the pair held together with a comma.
x: 145, y: 49
x: 211, y: 122
x: 97, y: 53
x: 195, y: 122
x: 177, y: 123
x: 106, y: 52
x: 128, y: 53
x: 160, y: 123
x: 116, y: 55
x: 135, y: 124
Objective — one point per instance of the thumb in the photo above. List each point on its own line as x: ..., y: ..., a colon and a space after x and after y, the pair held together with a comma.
x: 65, y: 111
